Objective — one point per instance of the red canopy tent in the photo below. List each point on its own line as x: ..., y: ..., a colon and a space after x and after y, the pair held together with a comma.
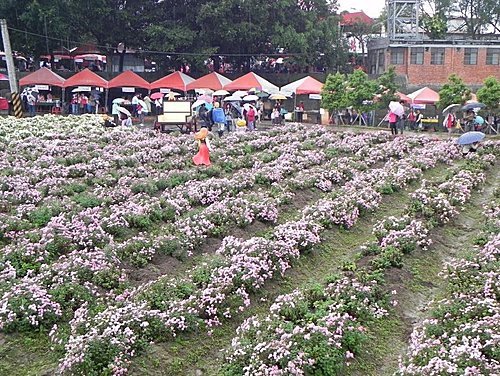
x: 250, y: 81
x: 128, y: 79
x: 306, y: 85
x: 42, y: 76
x: 86, y: 78
x: 175, y: 80
x: 214, y: 81
x: 424, y: 96
x: 403, y: 97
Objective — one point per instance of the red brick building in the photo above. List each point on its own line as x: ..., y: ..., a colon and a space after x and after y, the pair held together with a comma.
x: 427, y: 62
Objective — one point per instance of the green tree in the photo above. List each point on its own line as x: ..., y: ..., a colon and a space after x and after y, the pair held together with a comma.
x: 360, y: 91
x: 386, y: 91
x: 477, y: 15
x: 333, y: 92
x: 454, y: 91
x: 489, y: 94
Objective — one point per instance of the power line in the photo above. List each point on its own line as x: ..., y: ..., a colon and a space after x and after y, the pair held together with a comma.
x: 160, y: 52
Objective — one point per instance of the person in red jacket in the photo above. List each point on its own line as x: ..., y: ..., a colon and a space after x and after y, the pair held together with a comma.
x: 250, y: 118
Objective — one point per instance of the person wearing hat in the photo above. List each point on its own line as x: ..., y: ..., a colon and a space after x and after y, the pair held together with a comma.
x: 203, y: 156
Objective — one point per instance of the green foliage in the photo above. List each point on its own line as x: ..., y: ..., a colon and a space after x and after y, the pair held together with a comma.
x: 87, y: 200
x: 359, y: 89
x: 435, y: 26
x: 489, y: 94
x: 390, y: 257
x: 333, y: 92
x: 387, y: 87
x: 42, y: 215
x: 454, y: 91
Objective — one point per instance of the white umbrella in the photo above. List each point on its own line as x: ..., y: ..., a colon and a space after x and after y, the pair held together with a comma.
x: 232, y: 98
x: 143, y: 105
x: 80, y: 89
x: 118, y: 100
x: 247, y: 106
x: 396, y: 108
x: 250, y: 98
x: 220, y: 92
x: 452, y: 107
x: 123, y: 110
x: 198, y: 103
x: 203, y: 91
x: 239, y: 93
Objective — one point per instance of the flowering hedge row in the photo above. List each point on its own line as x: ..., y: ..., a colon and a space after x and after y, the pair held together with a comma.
x: 221, y: 288
x: 295, y: 337
x: 462, y: 335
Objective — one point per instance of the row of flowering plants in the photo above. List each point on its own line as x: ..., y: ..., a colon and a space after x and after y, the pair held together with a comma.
x: 462, y: 335
x: 295, y: 338
x: 105, y: 217
x: 313, y: 331
x: 221, y: 287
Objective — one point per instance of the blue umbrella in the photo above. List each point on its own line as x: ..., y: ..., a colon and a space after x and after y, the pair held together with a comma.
x: 479, y: 120
x: 470, y: 137
x: 472, y: 105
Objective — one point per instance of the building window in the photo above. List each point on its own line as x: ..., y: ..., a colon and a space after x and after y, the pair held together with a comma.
x: 470, y: 56
x: 417, y: 55
x: 437, y: 55
x: 493, y: 56
x: 397, y: 56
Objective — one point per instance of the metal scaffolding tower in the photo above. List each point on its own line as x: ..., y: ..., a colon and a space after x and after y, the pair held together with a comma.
x: 403, y: 19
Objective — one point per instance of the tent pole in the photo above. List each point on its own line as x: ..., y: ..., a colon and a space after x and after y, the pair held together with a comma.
x: 106, y: 101
x: 295, y: 106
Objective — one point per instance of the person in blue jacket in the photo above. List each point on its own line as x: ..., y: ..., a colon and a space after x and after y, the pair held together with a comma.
x: 218, y: 118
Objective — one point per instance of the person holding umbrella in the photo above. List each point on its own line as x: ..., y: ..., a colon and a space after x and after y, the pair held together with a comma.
x: 449, y: 122
x: 203, y: 156
x: 470, y: 142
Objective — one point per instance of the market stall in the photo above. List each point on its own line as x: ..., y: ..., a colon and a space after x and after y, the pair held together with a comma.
x: 42, y: 81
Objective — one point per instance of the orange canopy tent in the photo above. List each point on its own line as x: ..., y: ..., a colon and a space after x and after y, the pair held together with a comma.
x: 175, y: 80
x: 42, y: 76
x: 306, y: 85
x: 250, y: 81
x: 214, y: 81
x: 86, y: 78
x: 128, y: 79
x: 424, y: 96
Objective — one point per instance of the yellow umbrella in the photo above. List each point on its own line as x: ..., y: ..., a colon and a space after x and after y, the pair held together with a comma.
x: 277, y: 97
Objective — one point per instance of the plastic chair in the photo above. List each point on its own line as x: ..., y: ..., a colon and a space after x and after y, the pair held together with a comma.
x: 56, y: 110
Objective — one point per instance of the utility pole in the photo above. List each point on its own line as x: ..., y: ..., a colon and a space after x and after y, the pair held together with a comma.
x: 17, y: 107
x: 11, y: 70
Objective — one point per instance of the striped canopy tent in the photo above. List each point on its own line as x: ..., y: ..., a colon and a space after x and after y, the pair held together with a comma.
x: 86, y: 78
x: 424, y: 96
x: 306, y: 85
x: 42, y: 76
x: 128, y: 79
x: 176, y: 80
x: 250, y: 81
x: 213, y: 81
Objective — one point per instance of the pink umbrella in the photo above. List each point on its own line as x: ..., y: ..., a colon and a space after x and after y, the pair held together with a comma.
x: 3, y: 77
x: 206, y: 98
x: 157, y: 95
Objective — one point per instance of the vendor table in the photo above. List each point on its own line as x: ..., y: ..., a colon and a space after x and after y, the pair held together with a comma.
x: 45, y: 107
